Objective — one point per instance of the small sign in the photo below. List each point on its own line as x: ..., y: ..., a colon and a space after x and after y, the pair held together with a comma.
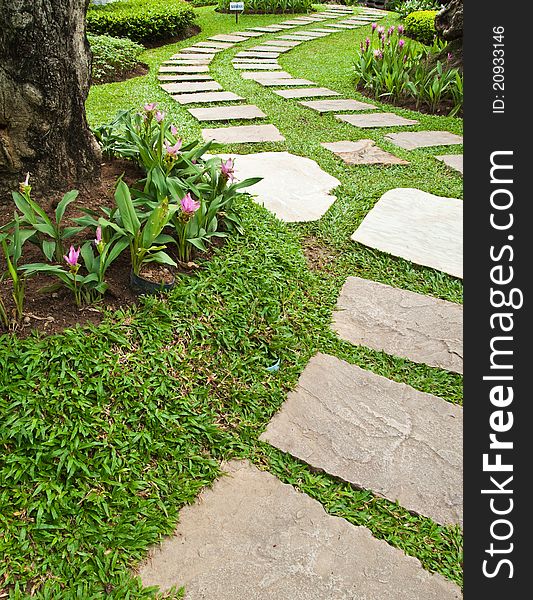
x: 236, y: 5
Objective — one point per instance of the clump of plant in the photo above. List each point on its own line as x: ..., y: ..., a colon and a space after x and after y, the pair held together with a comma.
x: 270, y: 6
x: 420, y: 26
x: 392, y: 69
x: 405, y: 7
x: 112, y: 57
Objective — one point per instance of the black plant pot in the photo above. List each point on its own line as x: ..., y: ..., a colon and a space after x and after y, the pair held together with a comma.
x: 140, y: 285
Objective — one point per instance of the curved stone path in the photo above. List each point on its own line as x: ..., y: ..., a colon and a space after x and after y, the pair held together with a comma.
x: 250, y: 536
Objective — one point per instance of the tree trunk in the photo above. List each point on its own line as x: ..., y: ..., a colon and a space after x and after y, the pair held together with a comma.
x: 449, y: 26
x: 44, y: 82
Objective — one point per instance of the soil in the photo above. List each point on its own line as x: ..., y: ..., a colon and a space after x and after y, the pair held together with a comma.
x: 157, y: 274
x: 318, y: 255
x: 140, y: 70
x: 187, y: 33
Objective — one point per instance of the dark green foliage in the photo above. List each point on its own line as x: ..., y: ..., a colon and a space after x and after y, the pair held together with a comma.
x: 420, y: 26
x: 270, y: 6
x: 405, y: 7
x: 112, y: 57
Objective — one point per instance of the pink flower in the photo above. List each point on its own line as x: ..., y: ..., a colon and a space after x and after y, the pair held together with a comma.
x: 150, y: 107
x: 72, y: 258
x: 173, y: 150
x: 159, y: 115
x: 367, y: 43
x: 374, y: 26
x: 449, y: 57
x: 381, y: 30
x: 378, y: 53
x: 173, y: 130
x: 401, y: 29
x: 188, y: 205
x: 390, y: 30
x: 226, y: 168
x: 401, y: 43
x: 98, y: 237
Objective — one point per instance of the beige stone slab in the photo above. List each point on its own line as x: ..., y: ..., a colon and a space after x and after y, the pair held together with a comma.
x: 200, y: 49
x: 306, y: 92
x: 310, y: 34
x: 333, y: 105
x: 266, y: 75
x: 248, y: 34
x: 254, y: 60
x: 377, y: 434
x: 423, y: 139
x: 323, y: 30
x: 186, y: 87
x: 223, y: 37
x: 187, y: 77
x: 363, y: 152
x: 340, y: 26
x: 197, y: 97
x: 281, y: 82
x: 252, y: 537
x: 269, y: 48
x: 259, y: 66
x: 281, y: 43
x: 454, y: 161
x: 253, y: 54
x: 210, y: 44
x: 294, y: 188
x: 376, y: 120
x: 227, y: 113
x: 301, y: 38
x: 193, y: 60
x: 417, y: 226
x: 399, y: 322
x: 184, y: 69
x: 243, y: 134
x: 268, y: 29
x: 291, y: 22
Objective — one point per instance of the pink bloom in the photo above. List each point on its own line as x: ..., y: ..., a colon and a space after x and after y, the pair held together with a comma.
x: 401, y: 29
x: 390, y: 30
x: 98, y: 237
x: 173, y: 130
x: 173, y: 150
x: 450, y: 56
x: 150, y: 107
x: 374, y: 26
x: 381, y: 30
x: 72, y: 257
x: 401, y: 43
x: 367, y: 43
x: 226, y: 168
x: 159, y: 115
x: 378, y: 53
x: 188, y: 205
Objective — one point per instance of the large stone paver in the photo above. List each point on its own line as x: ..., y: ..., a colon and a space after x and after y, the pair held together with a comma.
x: 198, y: 97
x: 260, y: 66
x: 188, y: 86
x: 202, y: 49
x: 224, y: 37
x: 270, y: 48
x: 184, y: 69
x: 420, y: 227
x: 244, y: 134
x: 423, y: 139
x: 376, y: 120
x: 301, y: 38
x: 250, y: 54
x: 281, y: 82
x: 210, y: 44
x: 267, y: 29
x: 282, y: 43
x: 363, y: 152
x: 226, y: 113
x: 248, y: 34
x: 266, y: 75
x: 251, y: 537
x: 399, y: 322
x: 306, y: 92
x: 186, y: 77
x: 454, y: 161
x: 293, y: 187
x: 377, y: 434
x: 332, y: 105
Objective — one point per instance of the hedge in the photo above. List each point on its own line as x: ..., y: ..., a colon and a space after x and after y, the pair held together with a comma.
x: 112, y: 57
x: 420, y: 26
x: 270, y: 6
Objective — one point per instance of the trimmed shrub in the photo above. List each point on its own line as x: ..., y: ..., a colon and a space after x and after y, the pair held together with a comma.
x: 113, y: 57
x: 270, y: 6
x: 406, y: 7
x: 420, y: 26
x: 140, y: 20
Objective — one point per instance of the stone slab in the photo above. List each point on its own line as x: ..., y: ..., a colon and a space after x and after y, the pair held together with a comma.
x: 339, y: 26
x: 184, y: 69
x: 301, y: 38
x: 224, y: 37
x: 227, y: 113
x: 267, y: 29
x: 281, y: 82
x: 187, y: 87
x: 377, y: 434
x: 255, y: 60
x: 211, y: 44
x: 189, y: 77
x: 294, y: 188
x: 306, y: 92
x: 256, y: 54
x: 282, y: 43
x: 291, y: 22
x: 376, y: 120
x: 399, y: 322
x: 333, y: 105
x: 454, y: 161
x: 248, y: 34
x: 323, y: 30
x: 243, y: 134
x: 363, y: 152
x: 252, y: 537
x: 258, y: 66
x: 311, y: 34
x: 423, y: 139
x: 269, y: 48
x: 198, y: 97
x: 193, y: 60
x: 266, y: 75
x: 203, y: 49
x: 417, y: 226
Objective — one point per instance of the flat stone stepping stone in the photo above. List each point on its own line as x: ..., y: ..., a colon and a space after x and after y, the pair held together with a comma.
x: 188, y: 86
x: 243, y: 134
x: 333, y: 105
x: 193, y: 60
x: 309, y: 33
x: 363, y: 152
x: 281, y: 82
x: 306, y: 92
x: 282, y: 43
x: 203, y: 49
x: 252, y: 54
x: 267, y: 29
x: 340, y: 26
x: 211, y: 44
x: 294, y: 188
x: 423, y: 139
x: 265, y: 49
x: 189, y: 77
x: 454, y: 161
x: 421, y: 328
x: 266, y: 75
x: 301, y: 37
x: 259, y: 66
x: 402, y: 444
x: 199, y: 97
x: 184, y: 69
x: 323, y: 30
x: 227, y: 113
x: 376, y: 120
x: 248, y: 34
x: 417, y: 226
x: 250, y: 531
x: 291, y: 22
x: 224, y: 37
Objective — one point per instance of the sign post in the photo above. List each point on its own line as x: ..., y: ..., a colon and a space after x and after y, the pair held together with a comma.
x: 236, y: 7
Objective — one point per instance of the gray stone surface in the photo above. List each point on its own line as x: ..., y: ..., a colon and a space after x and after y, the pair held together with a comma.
x: 363, y: 152
x: 301, y: 38
x: 333, y: 105
x: 376, y: 120
x: 288, y: 81
x: 190, y: 60
x: 211, y: 44
x: 422, y: 139
x: 227, y: 113
x: 324, y: 29
x: 188, y: 86
x: 310, y: 33
x: 184, y: 69
x: 342, y: 26
x: 269, y: 48
x: 201, y: 49
x: 380, y: 435
x: 281, y: 43
x: 267, y: 29
x: 420, y: 227
x: 454, y: 161
x: 291, y: 22
x: 306, y: 92
x: 198, y: 97
x: 254, y: 60
x: 266, y: 75
x: 252, y: 537
x: 187, y: 77
x: 252, y: 54
x: 224, y: 37
x: 260, y: 66
x: 243, y: 134
x: 399, y: 322
x: 248, y: 34
x: 294, y: 188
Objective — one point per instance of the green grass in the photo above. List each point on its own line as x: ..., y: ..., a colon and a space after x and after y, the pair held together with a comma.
x: 110, y: 430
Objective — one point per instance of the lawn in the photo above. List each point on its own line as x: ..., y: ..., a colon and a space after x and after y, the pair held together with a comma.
x: 110, y: 430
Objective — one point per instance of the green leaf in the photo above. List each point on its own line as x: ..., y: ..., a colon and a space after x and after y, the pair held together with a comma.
x: 162, y: 258
x: 61, y: 207
x: 49, y: 248
x: 157, y: 219
x: 129, y: 217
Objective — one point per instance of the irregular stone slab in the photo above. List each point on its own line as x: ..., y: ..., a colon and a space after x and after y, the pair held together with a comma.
x: 270, y: 48
x: 243, y: 134
x: 189, y: 77
x: 323, y: 30
x: 363, y: 152
x: 259, y: 66
x: 278, y: 82
x: 206, y: 97
x: 421, y: 328
x: 203, y: 49
x: 251, y: 537
x: 306, y: 93
x: 184, y: 69
x: 211, y: 44
x: 294, y: 188
x: 454, y: 161
x: 282, y: 43
x: 248, y: 34
x: 309, y: 33
x: 252, y: 54
x: 340, y: 26
x: 341, y: 104
x: 199, y: 86
x: 267, y: 29
x: 422, y: 139
x: 377, y: 434
x: 291, y: 22
x: 204, y: 60
x: 255, y: 61
x: 226, y: 113
x: 301, y: 38
x: 354, y: 22
x: 282, y: 27
x: 224, y: 37
x: 420, y: 227
x: 376, y: 120
x: 266, y: 75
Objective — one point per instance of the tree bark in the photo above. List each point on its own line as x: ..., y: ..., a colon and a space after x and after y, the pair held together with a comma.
x: 449, y: 26
x: 45, y: 69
